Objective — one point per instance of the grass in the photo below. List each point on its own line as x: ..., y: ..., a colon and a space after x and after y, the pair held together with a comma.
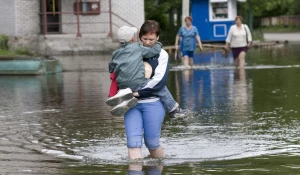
x: 257, y: 34
x: 18, y: 52
x: 7, y: 53
x: 23, y: 51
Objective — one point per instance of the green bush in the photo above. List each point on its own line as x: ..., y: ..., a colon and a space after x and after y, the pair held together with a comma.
x: 3, y: 42
x: 257, y: 34
x: 23, y: 51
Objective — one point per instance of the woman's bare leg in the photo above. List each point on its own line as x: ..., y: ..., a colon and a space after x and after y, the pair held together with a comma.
x: 186, y: 60
x: 191, y: 61
x: 236, y: 62
x: 134, y: 153
x: 135, y: 167
x: 242, y: 59
x: 242, y: 74
x: 157, y: 153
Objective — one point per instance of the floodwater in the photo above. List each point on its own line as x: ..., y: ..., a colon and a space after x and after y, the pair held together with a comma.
x: 242, y: 121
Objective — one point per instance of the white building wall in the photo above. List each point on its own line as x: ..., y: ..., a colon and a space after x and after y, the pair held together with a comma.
x: 130, y: 10
x: 7, y: 17
x: 21, y: 17
x: 27, y: 19
x: 101, y: 22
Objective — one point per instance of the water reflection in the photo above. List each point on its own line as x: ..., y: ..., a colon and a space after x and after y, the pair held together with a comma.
x: 275, y: 56
x: 90, y: 63
x: 134, y: 169
x: 237, y: 114
x: 40, y: 92
x: 228, y: 90
x: 213, y: 58
x: 25, y: 100
x: 240, y: 96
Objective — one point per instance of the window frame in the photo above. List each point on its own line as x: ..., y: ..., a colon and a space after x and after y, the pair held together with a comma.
x: 230, y: 10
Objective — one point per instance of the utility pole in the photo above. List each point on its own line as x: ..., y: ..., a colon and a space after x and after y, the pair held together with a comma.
x: 185, y: 9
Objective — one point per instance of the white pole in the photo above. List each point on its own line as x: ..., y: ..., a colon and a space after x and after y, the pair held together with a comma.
x: 185, y: 9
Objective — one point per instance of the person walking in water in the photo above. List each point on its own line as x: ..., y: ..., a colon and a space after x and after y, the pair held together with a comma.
x: 188, y: 35
x: 146, y: 118
x: 239, y: 38
x: 132, y: 75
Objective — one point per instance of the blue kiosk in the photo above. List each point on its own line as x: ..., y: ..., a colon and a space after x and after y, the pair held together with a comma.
x: 213, y: 18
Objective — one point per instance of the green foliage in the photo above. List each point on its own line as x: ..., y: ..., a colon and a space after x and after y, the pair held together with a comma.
x: 4, y: 48
x: 257, y: 34
x: 20, y: 51
x: 294, y: 9
x: 7, y: 53
x: 162, y: 12
x: 157, y: 12
x: 3, y: 42
x: 265, y: 8
x: 168, y: 36
x: 158, y: 8
x: 23, y: 51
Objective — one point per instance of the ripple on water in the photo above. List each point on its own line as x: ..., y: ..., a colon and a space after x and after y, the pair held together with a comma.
x: 225, y: 67
x: 61, y: 154
x: 193, y: 141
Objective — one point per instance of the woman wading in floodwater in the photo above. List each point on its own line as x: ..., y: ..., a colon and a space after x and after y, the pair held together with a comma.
x: 146, y: 118
x: 188, y: 35
x: 239, y: 38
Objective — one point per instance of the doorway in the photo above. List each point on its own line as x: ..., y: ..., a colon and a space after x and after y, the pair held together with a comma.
x: 53, y: 7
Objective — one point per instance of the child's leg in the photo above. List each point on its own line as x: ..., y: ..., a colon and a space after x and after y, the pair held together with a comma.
x: 122, y: 95
x: 172, y: 106
x: 167, y: 99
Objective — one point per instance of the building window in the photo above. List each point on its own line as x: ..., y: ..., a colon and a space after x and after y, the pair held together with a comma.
x: 219, y: 9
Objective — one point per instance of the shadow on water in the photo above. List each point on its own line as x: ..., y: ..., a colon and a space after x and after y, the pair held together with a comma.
x: 243, y: 121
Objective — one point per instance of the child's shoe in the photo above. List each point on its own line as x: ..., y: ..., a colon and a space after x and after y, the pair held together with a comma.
x: 122, y: 95
x: 123, y: 107
x: 179, y: 113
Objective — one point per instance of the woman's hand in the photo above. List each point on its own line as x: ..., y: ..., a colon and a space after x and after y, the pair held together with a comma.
x: 176, y: 42
x: 136, y: 94
x: 227, y: 46
x: 201, y: 47
x: 249, y: 45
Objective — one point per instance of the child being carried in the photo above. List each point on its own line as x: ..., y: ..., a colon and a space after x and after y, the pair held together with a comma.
x: 132, y: 74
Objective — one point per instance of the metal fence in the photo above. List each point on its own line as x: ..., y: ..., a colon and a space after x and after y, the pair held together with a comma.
x: 51, y: 20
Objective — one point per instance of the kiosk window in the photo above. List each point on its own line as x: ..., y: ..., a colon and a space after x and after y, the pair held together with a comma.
x: 219, y: 9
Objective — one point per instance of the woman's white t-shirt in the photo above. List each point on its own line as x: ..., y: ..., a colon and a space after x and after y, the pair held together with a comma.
x: 237, y: 37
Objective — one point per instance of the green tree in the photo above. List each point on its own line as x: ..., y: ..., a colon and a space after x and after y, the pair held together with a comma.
x: 295, y: 8
x: 266, y: 8
x: 163, y: 12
